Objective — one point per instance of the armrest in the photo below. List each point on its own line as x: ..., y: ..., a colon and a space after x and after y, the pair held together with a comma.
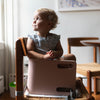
x: 69, y: 57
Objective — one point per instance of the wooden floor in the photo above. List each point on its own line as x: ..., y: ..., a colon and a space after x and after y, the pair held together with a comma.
x: 6, y: 96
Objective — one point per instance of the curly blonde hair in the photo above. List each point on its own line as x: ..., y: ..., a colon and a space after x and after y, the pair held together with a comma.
x: 50, y: 15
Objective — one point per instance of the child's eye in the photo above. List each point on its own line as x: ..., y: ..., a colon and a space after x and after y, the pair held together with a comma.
x: 38, y: 18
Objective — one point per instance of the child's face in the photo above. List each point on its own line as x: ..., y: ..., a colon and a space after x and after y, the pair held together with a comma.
x: 40, y: 24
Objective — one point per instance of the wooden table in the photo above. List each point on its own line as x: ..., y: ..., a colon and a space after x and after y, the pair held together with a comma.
x: 91, y: 42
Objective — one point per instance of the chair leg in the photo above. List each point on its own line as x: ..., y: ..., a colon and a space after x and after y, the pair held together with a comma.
x: 89, y: 82
x: 95, y: 85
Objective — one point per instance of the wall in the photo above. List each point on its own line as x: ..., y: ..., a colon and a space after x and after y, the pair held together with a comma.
x: 72, y: 24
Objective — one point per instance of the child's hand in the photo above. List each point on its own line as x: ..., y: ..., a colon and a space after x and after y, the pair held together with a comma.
x: 51, y: 53
x: 46, y: 56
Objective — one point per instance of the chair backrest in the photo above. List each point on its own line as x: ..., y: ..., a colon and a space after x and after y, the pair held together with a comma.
x: 90, y: 75
x: 19, y: 53
x: 75, y: 42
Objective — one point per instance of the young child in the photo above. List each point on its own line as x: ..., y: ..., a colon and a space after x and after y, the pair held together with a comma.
x: 43, y: 44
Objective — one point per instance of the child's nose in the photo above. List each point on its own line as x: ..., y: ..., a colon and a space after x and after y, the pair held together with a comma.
x: 34, y: 21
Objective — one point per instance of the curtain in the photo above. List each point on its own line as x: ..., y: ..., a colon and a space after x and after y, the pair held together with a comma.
x: 8, y: 34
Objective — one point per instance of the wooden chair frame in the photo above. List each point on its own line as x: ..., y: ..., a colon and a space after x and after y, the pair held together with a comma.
x: 19, y: 95
x: 76, y: 42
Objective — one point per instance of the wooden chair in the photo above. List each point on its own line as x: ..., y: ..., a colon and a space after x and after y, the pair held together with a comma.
x: 83, y: 68
x: 20, y: 52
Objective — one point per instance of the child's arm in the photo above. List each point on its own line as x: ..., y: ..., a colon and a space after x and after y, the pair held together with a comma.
x: 30, y: 50
x: 32, y: 54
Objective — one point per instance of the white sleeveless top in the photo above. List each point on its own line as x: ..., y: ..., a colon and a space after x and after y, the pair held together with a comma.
x: 44, y: 44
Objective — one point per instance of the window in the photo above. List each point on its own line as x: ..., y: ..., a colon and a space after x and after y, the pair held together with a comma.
x: 1, y: 19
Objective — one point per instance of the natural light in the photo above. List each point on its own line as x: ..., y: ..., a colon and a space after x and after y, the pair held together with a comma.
x: 1, y: 19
